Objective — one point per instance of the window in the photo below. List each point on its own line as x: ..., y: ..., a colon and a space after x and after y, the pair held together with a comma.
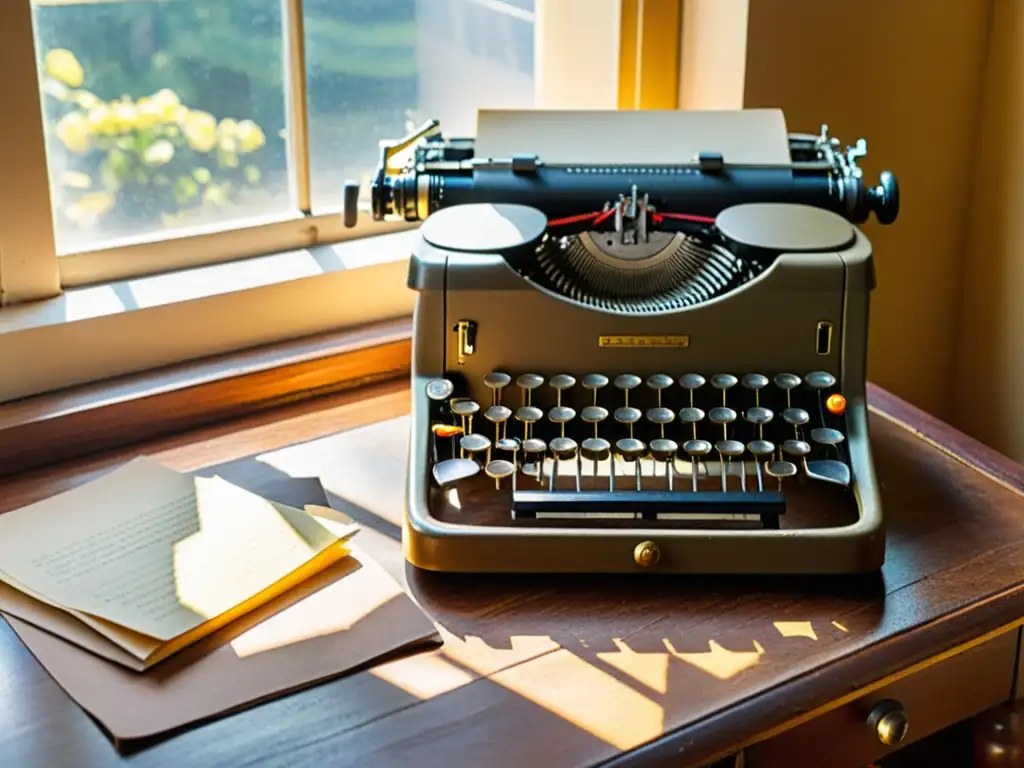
x: 159, y: 139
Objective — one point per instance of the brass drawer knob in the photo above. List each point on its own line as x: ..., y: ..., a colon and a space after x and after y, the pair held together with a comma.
x: 646, y: 554
x: 889, y: 721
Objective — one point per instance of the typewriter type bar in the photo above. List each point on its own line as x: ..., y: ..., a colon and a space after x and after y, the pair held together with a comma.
x: 648, y: 505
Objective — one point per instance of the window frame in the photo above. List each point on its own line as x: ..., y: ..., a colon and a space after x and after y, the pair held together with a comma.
x: 36, y: 285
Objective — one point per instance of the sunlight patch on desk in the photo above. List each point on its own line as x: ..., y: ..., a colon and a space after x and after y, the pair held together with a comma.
x: 839, y: 626
x: 424, y: 676
x: 719, y: 661
x: 796, y: 629
x: 588, y: 697
x: 651, y: 669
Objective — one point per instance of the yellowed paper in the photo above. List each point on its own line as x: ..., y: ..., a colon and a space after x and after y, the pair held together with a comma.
x: 153, y: 551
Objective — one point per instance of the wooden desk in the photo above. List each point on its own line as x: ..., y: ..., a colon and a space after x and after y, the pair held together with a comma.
x: 579, y: 671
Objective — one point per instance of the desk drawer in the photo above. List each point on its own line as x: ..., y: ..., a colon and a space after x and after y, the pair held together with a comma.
x: 930, y: 699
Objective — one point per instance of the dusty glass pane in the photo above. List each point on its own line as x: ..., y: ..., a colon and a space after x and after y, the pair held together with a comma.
x: 161, y: 116
x: 378, y: 68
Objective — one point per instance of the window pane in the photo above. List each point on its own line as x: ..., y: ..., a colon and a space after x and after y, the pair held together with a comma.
x: 379, y: 68
x: 161, y: 115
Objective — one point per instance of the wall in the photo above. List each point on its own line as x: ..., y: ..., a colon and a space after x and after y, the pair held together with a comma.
x: 989, y: 359
x: 904, y: 75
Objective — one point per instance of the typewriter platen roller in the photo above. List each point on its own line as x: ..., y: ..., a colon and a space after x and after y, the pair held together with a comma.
x: 654, y: 367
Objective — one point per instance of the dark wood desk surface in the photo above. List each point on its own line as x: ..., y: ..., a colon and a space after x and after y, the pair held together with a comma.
x: 571, y: 671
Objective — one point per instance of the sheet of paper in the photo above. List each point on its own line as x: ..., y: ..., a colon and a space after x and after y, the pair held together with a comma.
x: 583, y: 137
x: 153, y: 550
x: 344, y: 618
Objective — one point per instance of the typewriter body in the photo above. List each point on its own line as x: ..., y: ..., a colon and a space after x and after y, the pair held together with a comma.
x: 639, y: 346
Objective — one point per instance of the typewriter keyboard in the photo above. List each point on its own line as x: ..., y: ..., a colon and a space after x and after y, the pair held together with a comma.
x: 594, y: 445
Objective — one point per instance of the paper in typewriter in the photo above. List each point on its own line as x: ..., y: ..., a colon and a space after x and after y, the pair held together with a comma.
x: 581, y: 137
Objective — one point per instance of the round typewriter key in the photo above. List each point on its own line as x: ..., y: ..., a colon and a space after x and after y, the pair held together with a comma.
x: 561, y: 382
x: 796, y: 447
x: 592, y: 414
x: 761, y: 447
x: 663, y: 449
x: 795, y: 416
x: 631, y: 448
x: 474, y: 443
x: 695, y: 449
x: 730, y: 447
x: 528, y: 382
x: 464, y: 408
x: 562, y: 415
x: 779, y: 469
x: 722, y: 415
x: 510, y: 444
x: 691, y: 381
x: 659, y: 381
x: 498, y: 415
x: 690, y: 415
x: 563, y: 447
x: 528, y: 415
x: 827, y: 436
x: 595, y: 381
x: 723, y: 381
x: 758, y: 415
x: 627, y: 415
x: 499, y: 469
x: 820, y: 380
x: 534, y: 446
x: 661, y: 416
x: 755, y: 381
x: 497, y: 382
x: 439, y: 389
x: 787, y: 381
x: 595, y: 448
x: 627, y: 381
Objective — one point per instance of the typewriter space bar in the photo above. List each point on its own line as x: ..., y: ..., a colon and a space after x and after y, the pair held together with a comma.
x: 646, y: 503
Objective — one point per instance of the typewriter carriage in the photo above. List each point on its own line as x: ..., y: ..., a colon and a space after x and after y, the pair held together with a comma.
x: 766, y: 287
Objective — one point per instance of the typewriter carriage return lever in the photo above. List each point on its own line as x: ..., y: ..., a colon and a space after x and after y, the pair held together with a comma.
x: 638, y: 369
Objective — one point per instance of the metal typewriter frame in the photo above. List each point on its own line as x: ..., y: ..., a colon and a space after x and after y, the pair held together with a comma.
x: 435, y: 545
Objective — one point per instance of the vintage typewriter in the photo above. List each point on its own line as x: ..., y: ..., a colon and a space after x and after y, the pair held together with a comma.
x: 640, y: 343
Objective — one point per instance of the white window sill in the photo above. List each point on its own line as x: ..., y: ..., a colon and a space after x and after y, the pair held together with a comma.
x: 97, y: 332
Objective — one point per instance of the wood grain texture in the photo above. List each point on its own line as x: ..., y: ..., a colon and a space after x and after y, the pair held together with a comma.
x: 65, y: 425
x: 579, y: 671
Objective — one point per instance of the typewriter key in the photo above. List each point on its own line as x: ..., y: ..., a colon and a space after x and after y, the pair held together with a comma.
x: 439, y: 389
x: 827, y: 436
x: 633, y: 450
x: 626, y: 382
x: 820, y: 380
x: 510, y: 444
x: 787, y: 382
x: 464, y: 407
x: 795, y: 416
x: 561, y: 415
x: 597, y: 449
x: 661, y: 416
x: 658, y: 382
x: 499, y: 469
x: 665, y: 450
x: 527, y: 383
x: 535, y: 446
x: 497, y: 381
x: 760, y: 449
x: 755, y: 381
x: 563, y: 449
x: 594, y: 382
x: 450, y: 471
x: 498, y: 415
x: 729, y: 449
x: 796, y: 448
x: 695, y: 449
x: 473, y: 444
x: 722, y: 415
x: 691, y: 416
x: 723, y: 381
x: 629, y: 416
x: 759, y: 415
x: 528, y: 415
x: 691, y: 381
x: 779, y: 469
x: 560, y: 383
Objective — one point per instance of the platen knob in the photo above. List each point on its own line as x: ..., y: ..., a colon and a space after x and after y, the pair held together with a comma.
x: 889, y: 721
x: 350, y: 204
x: 884, y: 199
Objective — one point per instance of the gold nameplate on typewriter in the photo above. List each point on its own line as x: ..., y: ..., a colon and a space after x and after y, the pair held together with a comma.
x: 533, y: 449
x: 663, y: 341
